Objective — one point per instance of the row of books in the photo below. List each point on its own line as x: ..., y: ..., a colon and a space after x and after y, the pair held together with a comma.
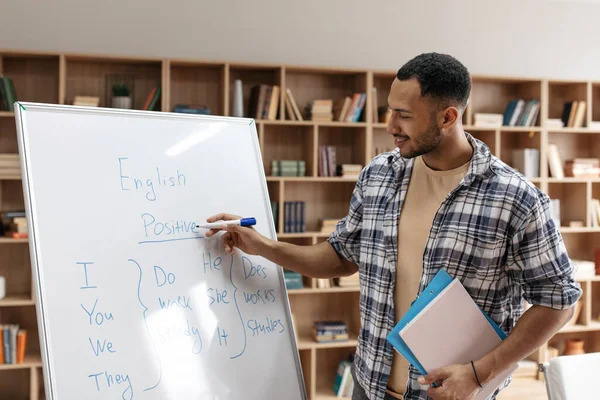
x: 518, y: 112
x: 10, y: 165
x: 521, y: 113
x: 573, y: 115
x: 8, y: 94
x: 263, y: 102
x: 13, y: 341
x: 288, y: 168
x: 14, y: 224
x: 349, y: 108
x: 294, y: 216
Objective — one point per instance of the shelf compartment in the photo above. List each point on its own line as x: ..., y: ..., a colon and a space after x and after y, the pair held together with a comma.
x: 11, y: 195
x: 492, y: 95
x: 338, y: 306
x: 333, y: 201
x: 250, y: 76
x: 511, y: 141
x: 560, y: 92
x: 350, y: 144
x: 25, y: 317
x: 383, y: 83
x: 36, y: 77
x: 573, y: 204
x: 308, y: 85
x: 327, y: 368
x: 15, y: 383
x: 8, y: 136
x: 87, y: 77
x: 573, y: 145
x: 288, y: 143
x: 198, y: 84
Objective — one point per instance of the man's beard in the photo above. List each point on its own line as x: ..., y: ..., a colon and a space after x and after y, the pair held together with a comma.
x: 424, y: 143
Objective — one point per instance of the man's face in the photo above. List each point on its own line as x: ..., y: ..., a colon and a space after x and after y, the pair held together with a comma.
x: 413, y: 124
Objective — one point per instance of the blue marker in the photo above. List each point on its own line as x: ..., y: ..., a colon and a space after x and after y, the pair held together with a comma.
x: 218, y: 225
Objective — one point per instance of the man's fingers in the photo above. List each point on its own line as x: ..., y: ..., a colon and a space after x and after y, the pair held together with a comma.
x: 433, y: 376
x: 435, y: 393
x: 211, y: 232
x: 222, y: 217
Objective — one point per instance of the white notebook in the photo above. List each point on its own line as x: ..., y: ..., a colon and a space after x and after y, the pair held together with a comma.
x: 453, y: 330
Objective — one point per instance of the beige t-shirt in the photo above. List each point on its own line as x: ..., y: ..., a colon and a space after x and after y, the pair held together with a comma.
x: 426, y: 192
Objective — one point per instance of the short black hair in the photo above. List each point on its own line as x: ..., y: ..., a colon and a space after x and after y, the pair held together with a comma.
x: 442, y: 77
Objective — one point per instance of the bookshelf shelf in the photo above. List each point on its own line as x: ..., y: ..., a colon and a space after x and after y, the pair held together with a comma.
x: 324, y: 291
x: 591, y: 327
x: 308, y: 343
x: 13, y: 241
x: 30, y: 361
x: 58, y: 77
x: 17, y: 301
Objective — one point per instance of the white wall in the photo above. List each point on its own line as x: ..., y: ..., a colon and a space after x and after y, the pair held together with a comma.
x: 540, y: 38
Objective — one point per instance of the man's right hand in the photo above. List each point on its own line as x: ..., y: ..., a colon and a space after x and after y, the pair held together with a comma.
x: 244, y: 238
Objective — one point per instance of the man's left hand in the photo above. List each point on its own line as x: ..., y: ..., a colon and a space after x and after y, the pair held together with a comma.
x: 455, y: 382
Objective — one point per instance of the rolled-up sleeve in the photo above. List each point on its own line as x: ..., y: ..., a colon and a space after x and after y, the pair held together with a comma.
x: 539, y: 263
x: 345, y: 239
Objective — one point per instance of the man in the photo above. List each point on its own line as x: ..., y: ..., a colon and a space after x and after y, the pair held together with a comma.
x: 440, y: 200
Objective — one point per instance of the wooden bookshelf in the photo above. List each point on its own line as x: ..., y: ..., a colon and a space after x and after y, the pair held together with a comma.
x: 59, y: 77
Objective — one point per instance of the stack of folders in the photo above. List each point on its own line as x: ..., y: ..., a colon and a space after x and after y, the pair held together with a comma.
x: 444, y: 326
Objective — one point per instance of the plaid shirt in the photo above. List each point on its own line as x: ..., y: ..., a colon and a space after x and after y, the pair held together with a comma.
x: 494, y: 233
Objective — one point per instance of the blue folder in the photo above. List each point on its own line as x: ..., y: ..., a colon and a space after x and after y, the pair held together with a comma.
x: 435, y: 287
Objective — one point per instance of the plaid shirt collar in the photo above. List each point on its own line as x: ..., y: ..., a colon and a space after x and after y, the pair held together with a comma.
x: 480, y: 166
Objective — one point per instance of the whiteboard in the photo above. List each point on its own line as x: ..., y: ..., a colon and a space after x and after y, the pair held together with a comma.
x: 133, y: 301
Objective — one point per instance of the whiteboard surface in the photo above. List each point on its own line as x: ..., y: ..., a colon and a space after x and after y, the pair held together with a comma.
x: 133, y: 301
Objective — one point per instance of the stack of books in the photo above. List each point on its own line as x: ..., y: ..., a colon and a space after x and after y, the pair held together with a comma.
x: 349, y: 170
x: 192, y: 109
x: 86, y: 101
x: 288, y: 168
x: 330, y: 331
x: 321, y: 110
x: 486, y: 120
x: 13, y: 341
x: 582, y: 168
x: 14, y: 224
x: 10, y: 166
x: 328, y: 225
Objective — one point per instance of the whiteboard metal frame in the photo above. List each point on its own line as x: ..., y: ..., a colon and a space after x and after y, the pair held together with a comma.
x: 22, y: 108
